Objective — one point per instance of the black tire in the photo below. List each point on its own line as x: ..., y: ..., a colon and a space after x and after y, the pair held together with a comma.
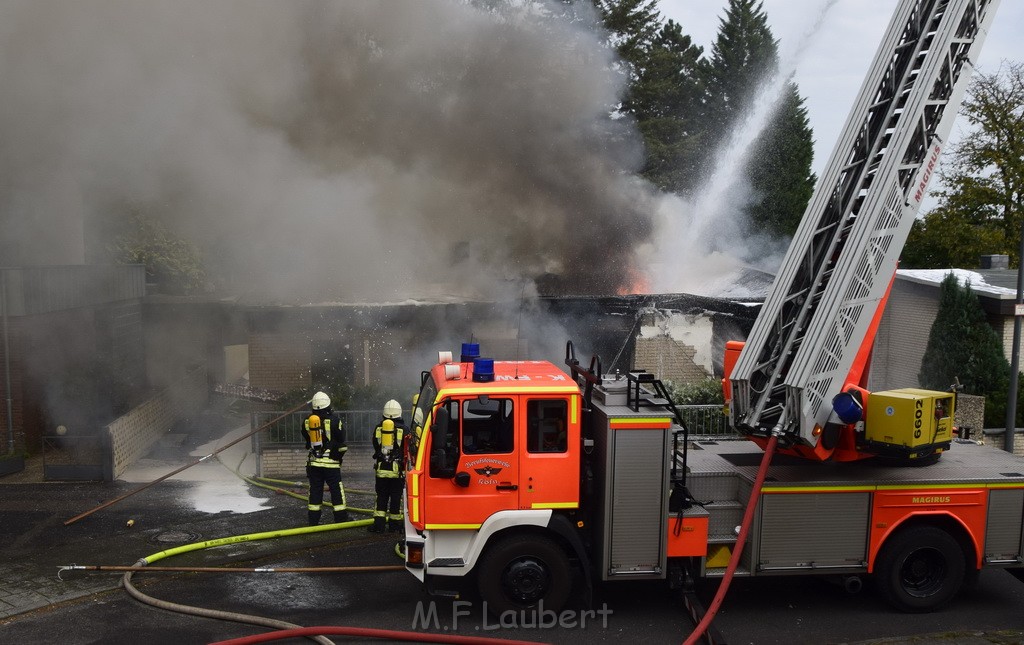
x: 920, y: 569
x: 521, y: 572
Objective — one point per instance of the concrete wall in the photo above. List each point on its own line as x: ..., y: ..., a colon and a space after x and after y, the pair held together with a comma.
x: 181, y: 333
x: 133, y: 434
x: 903, y: 335
x: 236, y: 363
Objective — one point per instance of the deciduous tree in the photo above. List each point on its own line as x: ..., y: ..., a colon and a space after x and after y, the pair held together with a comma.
x: 981, y: 202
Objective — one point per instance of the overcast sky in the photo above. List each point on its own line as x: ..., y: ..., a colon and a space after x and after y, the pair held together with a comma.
x: 837, y: 56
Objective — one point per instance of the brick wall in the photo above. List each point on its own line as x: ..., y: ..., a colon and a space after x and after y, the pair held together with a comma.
x: 283, y: 462
x: 1004, y: 327
x: 996, y: 439
x: 669, y: 360
x: 133, y: 434
x: 279, y: 361
x: 675, y: 347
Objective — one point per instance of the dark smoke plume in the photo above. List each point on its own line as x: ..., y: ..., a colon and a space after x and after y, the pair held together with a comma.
x: 356, y: 150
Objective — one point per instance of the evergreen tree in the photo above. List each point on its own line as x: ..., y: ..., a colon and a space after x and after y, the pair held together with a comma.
x: 664, y: 93
x: 633, y: 25
x: 780, y: 168
x: 963, y: 347
x: 665, y: 99
x: 743, y: 58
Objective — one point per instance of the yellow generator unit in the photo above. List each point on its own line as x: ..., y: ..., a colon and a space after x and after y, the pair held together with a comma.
x: 909, y: 423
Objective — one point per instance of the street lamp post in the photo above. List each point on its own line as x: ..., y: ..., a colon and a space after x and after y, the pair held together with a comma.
x: 1018, y: 311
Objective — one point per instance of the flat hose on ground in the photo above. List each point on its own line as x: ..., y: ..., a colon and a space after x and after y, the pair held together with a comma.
x: 262, y: 621
x: 285, y: 629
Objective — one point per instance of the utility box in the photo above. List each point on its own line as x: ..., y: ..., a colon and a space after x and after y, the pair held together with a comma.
x: 632, y: 484
x: 909, y: 422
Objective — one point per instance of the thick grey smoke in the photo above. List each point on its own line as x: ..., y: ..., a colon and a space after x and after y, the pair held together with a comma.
x: 323, y: 149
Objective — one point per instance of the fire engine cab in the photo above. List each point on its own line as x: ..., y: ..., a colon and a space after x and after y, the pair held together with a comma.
x: 500, y: 449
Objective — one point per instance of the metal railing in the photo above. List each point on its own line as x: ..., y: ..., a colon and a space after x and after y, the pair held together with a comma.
x: 358, y: 425
x: 707, y: 421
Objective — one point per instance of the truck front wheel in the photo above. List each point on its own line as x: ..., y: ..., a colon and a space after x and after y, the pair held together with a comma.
x: 920, y: 569
x: 521, y: 572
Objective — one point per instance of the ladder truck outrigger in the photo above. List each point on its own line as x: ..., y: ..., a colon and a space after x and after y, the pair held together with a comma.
x: 524, y: 480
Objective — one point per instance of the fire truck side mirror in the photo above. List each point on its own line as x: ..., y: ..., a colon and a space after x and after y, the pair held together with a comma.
x: 462, y: 479
x: 440, y: 426
x: 444, y: 450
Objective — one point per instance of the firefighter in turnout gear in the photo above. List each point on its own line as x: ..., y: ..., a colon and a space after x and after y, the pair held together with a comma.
x: 389, y: 469
x: 325, y: 441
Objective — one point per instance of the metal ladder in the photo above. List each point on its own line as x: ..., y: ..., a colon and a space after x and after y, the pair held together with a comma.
x: 845, y: 251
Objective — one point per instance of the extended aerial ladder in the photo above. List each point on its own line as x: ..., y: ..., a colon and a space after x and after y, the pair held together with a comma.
x: 806, y: 345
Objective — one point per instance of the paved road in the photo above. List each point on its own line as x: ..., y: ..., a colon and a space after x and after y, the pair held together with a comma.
x: 85, y: 607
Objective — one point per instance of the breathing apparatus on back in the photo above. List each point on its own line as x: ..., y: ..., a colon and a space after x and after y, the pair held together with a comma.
x: 314, y: 428
x: 387, y: 440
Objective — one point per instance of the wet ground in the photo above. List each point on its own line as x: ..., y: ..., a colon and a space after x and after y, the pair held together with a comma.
x: 40, y: 603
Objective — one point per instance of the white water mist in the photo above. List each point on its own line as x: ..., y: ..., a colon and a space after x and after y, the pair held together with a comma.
x: 702, y: 244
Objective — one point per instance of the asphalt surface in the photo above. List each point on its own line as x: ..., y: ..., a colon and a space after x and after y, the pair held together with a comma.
x: 40, y: 603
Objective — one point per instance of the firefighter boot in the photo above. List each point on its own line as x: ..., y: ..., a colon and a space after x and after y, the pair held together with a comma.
x: 314, y: 518
x: 377, y: 526
x: 340, y: 516
x: 395, y: 526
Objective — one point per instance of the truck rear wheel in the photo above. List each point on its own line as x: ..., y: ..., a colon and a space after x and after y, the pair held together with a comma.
x: 521, y: 572
x: 920, y: 569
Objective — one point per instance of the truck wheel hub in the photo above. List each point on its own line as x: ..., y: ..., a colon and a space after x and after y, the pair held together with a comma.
x: 526, y: 581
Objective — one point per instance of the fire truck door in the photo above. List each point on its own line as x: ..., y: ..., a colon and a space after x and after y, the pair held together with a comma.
x: 549, y: 465
x: 486, y: 479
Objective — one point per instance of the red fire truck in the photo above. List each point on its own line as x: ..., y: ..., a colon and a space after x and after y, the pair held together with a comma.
x: 522, y: 477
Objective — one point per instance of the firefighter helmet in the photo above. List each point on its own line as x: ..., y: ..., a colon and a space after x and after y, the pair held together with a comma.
x: 392, y: 409
x: 320, y: 401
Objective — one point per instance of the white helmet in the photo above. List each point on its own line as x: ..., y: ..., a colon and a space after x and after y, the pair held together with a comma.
x: 392, y: 409
x: 321, y: 401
